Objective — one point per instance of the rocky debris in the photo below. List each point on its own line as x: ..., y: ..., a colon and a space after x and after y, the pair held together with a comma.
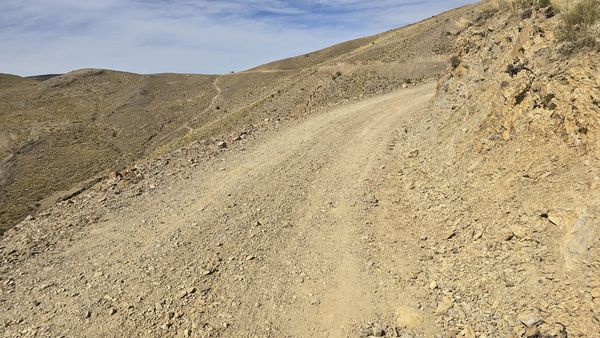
x: 222, y: 144
x: 472, y: 230
x: 377, y: 330
x: 530, y: 320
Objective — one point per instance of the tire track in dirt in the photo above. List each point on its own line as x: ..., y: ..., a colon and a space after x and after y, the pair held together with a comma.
x: 263, y: 241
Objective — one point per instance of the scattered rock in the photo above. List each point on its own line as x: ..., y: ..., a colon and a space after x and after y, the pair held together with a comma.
x: 377, y: 330
x: 529, y: 320
x: 532, y: 332
x: 444, y: 305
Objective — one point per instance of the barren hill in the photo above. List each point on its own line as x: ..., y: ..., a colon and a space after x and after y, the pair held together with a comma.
x: 439, y: 180
x: 58, y: 133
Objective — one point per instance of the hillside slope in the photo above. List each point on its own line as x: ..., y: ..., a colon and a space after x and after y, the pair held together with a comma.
x: 464, y: 206
x: 62, y: 132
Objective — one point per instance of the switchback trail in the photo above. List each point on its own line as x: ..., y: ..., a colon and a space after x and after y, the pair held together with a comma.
x: 188, y: 126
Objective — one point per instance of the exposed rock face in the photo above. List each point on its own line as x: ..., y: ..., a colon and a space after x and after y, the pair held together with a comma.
x: 518, y: 128
x: 514, y: 83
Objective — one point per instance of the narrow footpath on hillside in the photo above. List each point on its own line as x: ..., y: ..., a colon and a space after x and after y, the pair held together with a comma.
x: 188, y: 126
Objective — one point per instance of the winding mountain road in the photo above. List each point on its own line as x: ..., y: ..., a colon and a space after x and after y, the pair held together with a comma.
x: 264, y: 242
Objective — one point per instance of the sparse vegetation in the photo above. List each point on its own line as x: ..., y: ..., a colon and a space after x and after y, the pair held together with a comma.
x: 464, y: 23
x: 514, y: 6
x: 578, y: 20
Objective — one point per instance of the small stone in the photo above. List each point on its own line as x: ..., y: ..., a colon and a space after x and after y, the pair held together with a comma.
x: 182, y: 294
x: 531, y: 332
x: 413, y: 153
x: 222, y: 144
x: 250, y: 257
x: 365, y: 332
x: 518, y: 231
x: 468, y: 332
x: 529, y: 320
x: 433, y: 285
x: 377, y: 330
x: 446, y: 304
x: 87, y: 314
x: 507, y: 235
x: 450, y: 233
x: 315, y: 301
x: 112, y: 311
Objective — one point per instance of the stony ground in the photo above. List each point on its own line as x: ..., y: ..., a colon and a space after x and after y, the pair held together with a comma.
x: 344, y: 224
x: 274, y: 240
x: 467, y: 207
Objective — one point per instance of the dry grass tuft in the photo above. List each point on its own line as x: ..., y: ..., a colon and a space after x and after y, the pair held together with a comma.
x: 464, y: 23
x: 579, y: 18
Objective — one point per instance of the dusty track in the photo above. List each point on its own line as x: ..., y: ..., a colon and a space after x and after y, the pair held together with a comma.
x: 265, y: 242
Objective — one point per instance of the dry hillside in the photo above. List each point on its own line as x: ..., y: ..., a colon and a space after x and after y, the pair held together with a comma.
x: 61, y: 133
x: 323, y: 195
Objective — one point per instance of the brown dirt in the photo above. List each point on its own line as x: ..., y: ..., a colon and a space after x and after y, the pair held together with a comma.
x: 59, y: 131
x: 283, y: 218
x: 344, y: 205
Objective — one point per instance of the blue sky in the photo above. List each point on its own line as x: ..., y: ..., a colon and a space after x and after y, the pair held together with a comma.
x: 187, y: 36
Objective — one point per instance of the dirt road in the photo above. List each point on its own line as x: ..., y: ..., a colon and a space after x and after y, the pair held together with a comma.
x: 269, y: 241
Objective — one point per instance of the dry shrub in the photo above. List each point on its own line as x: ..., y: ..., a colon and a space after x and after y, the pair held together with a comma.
x: 578, y: 19
x: 464, y: 23
x: 515, y: 6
